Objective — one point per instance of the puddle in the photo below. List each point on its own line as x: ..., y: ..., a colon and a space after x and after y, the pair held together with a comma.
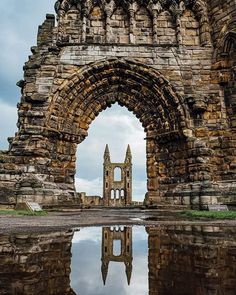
x: 121, y: 260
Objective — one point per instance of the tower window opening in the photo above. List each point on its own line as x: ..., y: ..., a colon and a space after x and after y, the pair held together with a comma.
x: 116, y: 247
x: 117, y: 174
x: 113, y: 194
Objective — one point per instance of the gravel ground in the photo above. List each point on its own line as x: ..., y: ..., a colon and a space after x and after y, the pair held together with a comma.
x: 81, y: 218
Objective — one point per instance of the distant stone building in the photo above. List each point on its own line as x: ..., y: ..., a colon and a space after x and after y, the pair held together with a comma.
x: 85, y: 200
x: 170, y: 62
x: 124, y: 237
x: 117, y: 180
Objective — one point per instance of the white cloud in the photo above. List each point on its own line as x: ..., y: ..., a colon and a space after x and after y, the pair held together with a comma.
x: 19, y: 24
x: 8, y: 119
x: 91, y: 187
x: 118, y: 128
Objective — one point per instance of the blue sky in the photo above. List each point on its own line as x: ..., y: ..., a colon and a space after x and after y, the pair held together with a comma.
x: 19, y: 24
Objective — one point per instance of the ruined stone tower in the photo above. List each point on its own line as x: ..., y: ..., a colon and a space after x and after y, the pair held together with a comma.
x: 124, y: 236
x: 170, y: 62
x: 117, y: 191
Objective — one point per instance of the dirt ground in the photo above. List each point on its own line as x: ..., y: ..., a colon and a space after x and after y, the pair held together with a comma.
x: 80, y: 218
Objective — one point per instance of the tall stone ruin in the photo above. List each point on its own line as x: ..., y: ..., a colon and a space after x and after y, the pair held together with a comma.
x: 117, y: 191
x: 170, y: 62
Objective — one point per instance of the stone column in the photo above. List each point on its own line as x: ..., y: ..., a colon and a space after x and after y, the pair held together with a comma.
x: 155, y: 15
x: 84, y: 24
x: 178, y: 28
x: 205, y: 36
x: 108, y: 26
x: 153, y: 196
x: 132, y: 24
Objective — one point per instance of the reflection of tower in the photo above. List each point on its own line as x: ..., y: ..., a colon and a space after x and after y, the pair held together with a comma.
x: 124, y: 237
x: 117, y: 191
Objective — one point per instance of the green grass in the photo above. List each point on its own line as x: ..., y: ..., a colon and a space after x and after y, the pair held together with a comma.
x: 22, y: 213
x: 209, y: 214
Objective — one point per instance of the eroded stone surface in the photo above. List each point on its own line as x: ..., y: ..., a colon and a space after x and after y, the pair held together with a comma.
x: 172, y: 63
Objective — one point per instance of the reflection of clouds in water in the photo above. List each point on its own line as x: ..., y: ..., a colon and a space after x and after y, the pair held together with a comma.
x: 86, y: 274
x: 88, y: 234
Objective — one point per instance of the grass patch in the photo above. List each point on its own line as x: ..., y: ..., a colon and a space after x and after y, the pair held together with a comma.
x: 22, y: 213
x: 209, y: 214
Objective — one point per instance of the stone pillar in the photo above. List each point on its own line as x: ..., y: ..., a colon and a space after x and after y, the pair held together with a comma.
x: 178, y: 28
x: 132, y: 23
x: 153, y: 195
x: 108, y: 26
x: 155, y: 27
x: 84, y: 24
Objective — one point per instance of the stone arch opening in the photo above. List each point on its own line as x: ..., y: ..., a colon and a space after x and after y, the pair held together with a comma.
x: 225, y: 64
x: 143, y: 91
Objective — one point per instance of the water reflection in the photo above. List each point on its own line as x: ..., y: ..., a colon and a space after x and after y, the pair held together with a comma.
x: 113, y: 238
x: 35, y: 264
x: 178, y: 260
x: 105, y: 269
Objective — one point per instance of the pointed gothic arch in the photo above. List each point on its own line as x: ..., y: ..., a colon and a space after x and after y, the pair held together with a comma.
x: 140, y: 88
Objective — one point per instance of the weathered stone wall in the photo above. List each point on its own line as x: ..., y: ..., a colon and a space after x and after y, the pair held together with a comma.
x: 185, y: 259
x: 171, y: 64
x: 32, y: 264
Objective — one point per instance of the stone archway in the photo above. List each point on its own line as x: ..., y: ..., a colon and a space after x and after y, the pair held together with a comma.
x: 143, y: 90
x: 70, y: 78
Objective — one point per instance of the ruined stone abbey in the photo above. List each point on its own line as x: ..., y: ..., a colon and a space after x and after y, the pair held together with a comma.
x: 117, y: 180
x: 170, y: 62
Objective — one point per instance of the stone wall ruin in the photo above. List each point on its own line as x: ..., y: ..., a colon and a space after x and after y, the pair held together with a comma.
x: 170, y: 62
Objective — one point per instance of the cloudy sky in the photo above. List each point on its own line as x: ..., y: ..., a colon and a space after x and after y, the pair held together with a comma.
x: 116, y: 126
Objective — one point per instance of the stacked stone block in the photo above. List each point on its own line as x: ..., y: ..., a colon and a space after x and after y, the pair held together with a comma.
x: 171, y: 63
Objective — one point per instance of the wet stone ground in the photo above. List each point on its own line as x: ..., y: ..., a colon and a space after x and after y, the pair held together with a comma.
x: 98, y: 217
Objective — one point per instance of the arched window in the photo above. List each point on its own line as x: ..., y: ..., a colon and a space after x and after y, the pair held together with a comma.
x: 113, y: 194
x: 143, y: 26
x: 117, y: 194
x: 96, y: 27
x: 119, y: 26
x: 190, y: 29
x: 117, y: 174
x: 116, y: 247
x: 122, y: 194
